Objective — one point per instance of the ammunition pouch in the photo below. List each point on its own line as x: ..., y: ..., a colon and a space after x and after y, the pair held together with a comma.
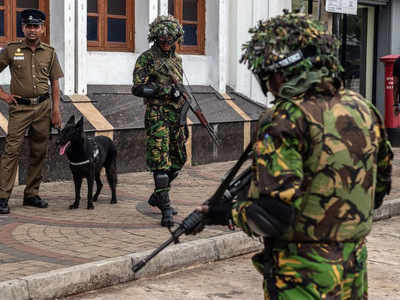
x: 271, y: 219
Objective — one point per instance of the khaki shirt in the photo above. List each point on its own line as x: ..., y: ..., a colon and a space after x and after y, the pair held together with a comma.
x: 30, y: 71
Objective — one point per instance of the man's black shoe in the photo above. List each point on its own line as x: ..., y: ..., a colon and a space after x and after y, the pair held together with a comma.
x: 35, y: 201
x: 4, y: 206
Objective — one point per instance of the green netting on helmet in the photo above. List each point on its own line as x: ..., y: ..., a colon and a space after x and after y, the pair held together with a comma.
x: 280, y: 37
x: 165, y: 27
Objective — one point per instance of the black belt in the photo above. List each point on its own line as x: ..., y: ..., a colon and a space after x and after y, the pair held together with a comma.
x: 31, y: 101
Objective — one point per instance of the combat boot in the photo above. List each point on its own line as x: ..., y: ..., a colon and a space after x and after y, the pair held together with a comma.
x: 4, y: 206
x: 153, y: 201
x: 162, y: 181
x: 167, y: 219
x: 172, y: 174
x: 161, y: 197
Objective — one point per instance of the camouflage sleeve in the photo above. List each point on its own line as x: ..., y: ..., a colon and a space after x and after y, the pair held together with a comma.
x: 142, y: 74
x: 384, y: 161
x: 277, y: 162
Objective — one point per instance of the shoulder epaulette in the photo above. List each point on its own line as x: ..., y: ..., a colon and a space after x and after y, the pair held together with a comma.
x: 15, y: 42
x: 46, y: 45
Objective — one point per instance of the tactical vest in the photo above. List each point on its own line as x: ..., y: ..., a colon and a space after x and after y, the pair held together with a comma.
x: 340, y: 169
x: 164, y: 68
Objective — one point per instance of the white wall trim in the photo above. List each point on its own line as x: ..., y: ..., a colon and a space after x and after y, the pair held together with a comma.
x: 162, y: 7
x: 81, y: 48
x: 62, y: 38
x: 222, y: 45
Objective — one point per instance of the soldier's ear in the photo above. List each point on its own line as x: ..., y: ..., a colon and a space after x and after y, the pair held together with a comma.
x: 79, y: 125
x: 71, y: 120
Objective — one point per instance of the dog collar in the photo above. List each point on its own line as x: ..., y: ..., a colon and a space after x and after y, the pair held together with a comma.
x: 79, y: 163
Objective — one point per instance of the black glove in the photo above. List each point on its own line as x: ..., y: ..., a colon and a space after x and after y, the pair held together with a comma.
x: 219, y: 215
x: 175, y: 93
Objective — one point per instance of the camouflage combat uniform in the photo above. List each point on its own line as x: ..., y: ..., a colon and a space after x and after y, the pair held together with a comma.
x: 157, y: 73
x: 165, y: 138
x: 325, y: 153
x: 321, y: 157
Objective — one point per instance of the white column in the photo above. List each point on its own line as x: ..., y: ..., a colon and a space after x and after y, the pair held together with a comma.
x: 222, y: 44
x: 62, y: 38
x: 277, y: 6
x: 260, y: 11
x: 244, y: 20
x: 213, y: 46
x: 81, y: 47
x: 162, y: 7
x: 153, y: 10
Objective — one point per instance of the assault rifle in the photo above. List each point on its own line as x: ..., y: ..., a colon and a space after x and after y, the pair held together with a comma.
x: 189, y: 99
x: 227, y: 191
x: 192, y: 104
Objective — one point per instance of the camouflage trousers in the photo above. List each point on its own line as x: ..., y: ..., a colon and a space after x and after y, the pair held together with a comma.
x: 165, y: 139
x: 308, y: 271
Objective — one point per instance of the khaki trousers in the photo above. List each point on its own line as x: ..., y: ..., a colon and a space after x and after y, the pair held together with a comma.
x: 21, y: 117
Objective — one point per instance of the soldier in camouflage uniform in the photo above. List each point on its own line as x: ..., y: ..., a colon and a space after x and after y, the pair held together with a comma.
x: 157, y: 71
x: 322, y: 163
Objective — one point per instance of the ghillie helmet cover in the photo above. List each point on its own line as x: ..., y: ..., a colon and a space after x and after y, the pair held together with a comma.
x: 165, y: 27
x: 294, y: 44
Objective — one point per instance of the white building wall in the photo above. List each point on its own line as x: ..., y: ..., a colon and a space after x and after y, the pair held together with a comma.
x: 242, y: 16
x: 227, y: 24
x: 62, y: 38
x: 81, y: 60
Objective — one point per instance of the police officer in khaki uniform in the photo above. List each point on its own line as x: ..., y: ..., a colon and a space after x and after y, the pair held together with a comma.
x: 32, y: 65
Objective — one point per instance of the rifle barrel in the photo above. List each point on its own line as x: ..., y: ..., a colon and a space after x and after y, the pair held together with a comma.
x: 175, y: 235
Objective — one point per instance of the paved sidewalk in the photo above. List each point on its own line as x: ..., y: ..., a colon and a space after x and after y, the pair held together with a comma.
x: 40, y: 240
x: 36, y: 240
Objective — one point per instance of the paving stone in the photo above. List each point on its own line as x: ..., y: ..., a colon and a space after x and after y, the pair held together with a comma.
x: 35, y: 240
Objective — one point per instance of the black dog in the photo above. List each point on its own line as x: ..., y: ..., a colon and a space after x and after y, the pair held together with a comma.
x: 87, y: 156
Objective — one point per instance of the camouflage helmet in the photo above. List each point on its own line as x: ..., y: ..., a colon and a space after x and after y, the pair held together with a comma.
x: 295, y: 45
x: 165, y: 26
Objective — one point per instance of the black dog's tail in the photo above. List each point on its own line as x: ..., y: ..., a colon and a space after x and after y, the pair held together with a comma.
x: 111, y: 167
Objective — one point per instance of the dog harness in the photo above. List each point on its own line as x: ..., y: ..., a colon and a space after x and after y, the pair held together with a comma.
x: 95, y: 154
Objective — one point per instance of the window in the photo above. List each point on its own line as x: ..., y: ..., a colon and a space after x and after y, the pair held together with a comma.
x: 10, y: 18
x: 191, y: 14
x: 110, y: 25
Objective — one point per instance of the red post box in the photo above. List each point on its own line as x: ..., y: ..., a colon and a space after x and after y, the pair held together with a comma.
x: 392, y: 122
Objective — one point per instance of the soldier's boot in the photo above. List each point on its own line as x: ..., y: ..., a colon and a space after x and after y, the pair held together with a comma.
x: 167, y: 219
x: 161, y: 181
x: 172, y: 174
x: 154, y: 198
x: 4, y: 206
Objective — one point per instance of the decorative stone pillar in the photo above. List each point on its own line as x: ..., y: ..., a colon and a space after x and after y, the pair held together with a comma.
x: 81, y: 47
x: 62, y: 38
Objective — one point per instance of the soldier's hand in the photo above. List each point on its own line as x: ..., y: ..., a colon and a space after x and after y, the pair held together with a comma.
x: 216, y: 215
x: 8, y: 98
x: 56, y: 118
